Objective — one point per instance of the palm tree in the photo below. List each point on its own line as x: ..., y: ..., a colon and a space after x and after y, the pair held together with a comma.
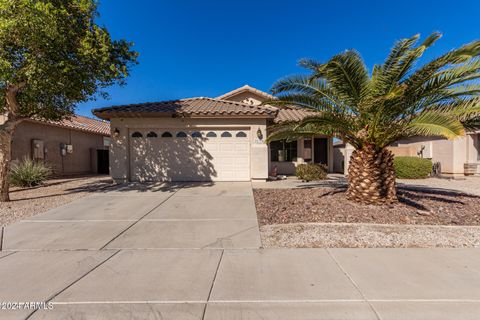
x: 372, y: 111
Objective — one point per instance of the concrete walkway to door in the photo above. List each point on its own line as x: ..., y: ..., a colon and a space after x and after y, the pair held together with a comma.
x: 192, y: 251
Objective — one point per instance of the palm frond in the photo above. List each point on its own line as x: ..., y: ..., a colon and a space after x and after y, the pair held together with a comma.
x: 398, y: 51
x: 432, y: 123
x: 347, y: 75
x: 399, y: 63
x: 440, y: 98
x: 292, y: 131
x: 310, y: 64
x: 313, y: 103
x: 289, y: 89
x: 458, y: 56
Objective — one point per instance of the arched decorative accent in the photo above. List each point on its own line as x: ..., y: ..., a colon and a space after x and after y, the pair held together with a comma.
x: 167, y: 134
x: 241, y: 134
x: 196, y: 134
x: 152, y: 134
x: 226, y: 134
x: 211, y: 134
x: 137, y: 134
x: 181, y: 134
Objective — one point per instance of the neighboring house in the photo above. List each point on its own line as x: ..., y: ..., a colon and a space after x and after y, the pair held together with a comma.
x: 452, y: 158
x: 207, y: 139
x: 78, y: 145
x: 457, y: 157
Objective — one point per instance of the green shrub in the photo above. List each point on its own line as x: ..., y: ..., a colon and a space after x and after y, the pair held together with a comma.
x: 311, y: 171
x: 412, y: 167
x: 29, y: 173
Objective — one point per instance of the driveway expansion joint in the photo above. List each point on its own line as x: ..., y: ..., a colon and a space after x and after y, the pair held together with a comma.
x: 8, y: 255
x: 354, y: 284
x: 74, y: 282
x: 213, y: 284
x: 140, y: 219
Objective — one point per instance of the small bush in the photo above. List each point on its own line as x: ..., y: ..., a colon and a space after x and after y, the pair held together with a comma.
x: 311, y: 171
x: 412, y: 167
x: 29, y: 173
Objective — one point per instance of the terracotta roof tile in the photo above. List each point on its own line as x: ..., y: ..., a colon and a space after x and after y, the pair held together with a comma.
x: 81, y: 123
x: 201, y: 107
x: 291, y: 113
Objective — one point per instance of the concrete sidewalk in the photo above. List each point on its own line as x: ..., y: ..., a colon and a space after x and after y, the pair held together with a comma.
x: 245, y: 284
x: 192, y: 252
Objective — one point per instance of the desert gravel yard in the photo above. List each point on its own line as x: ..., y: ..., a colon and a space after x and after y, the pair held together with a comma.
x: 276, y: 206
x: 323, y: 217
x: 27, y: 202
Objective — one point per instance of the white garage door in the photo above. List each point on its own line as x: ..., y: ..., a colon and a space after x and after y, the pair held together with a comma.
x: 186, y: 155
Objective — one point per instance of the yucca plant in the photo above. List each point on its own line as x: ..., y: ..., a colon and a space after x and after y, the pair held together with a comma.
x: 373, y: 110
x: 29, y: 173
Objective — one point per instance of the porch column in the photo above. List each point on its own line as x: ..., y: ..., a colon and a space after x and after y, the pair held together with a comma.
x: 300, y: 149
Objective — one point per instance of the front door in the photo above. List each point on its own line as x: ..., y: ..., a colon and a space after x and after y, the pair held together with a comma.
x: 320, y: 150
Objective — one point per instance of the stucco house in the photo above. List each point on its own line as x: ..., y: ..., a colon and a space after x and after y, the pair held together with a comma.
x: 207, y: 139
x: 452, y: 158
x: 78, y: 145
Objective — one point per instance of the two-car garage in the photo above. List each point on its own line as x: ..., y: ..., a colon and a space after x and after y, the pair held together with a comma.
x: 195, y: 139
x: 180, y: 154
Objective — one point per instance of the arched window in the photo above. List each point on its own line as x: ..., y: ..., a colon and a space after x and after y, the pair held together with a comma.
x: 241, y: 134
x: 152, y: 134
x: 137, y: 134
x: 211, y: 134
x: 167, y: 134
x: 226, y: 134
x: 196, y: 134
x: 181, y: 134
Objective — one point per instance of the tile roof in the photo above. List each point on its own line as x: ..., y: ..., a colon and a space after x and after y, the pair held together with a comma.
x: 81, y: 123
x: 246, y: 87
x: 192, y: 107
x: 292, y: 113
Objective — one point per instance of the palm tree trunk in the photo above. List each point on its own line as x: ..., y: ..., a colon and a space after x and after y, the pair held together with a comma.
x: 371, y: 176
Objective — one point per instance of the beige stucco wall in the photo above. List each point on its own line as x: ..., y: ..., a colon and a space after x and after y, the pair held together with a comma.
x: 472, y: 148
x: 247, y: 97
x: 119, y: 150
x: 78, y: 162
x: 338, y: 159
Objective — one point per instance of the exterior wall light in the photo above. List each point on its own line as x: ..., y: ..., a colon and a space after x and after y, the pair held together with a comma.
x: 259, y: 134
x: 116, y: 132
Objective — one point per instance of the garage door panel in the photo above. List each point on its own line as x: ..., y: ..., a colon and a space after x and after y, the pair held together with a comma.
x: 188, y: 158
x: 242, y: 147
x: 227, y: 147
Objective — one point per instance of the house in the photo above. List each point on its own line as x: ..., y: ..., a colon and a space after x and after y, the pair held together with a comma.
x: 78, y: 145
x: 454, y: 158
x: 207, y: 139
x: 451, y: 158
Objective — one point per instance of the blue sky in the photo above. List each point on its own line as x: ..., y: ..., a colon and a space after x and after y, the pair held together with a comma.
x: 205, y: 48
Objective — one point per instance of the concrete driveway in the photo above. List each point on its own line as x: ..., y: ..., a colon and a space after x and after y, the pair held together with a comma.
x: 192, y: 251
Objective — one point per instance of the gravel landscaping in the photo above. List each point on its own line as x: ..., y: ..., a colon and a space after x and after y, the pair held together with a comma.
x: 323, y: 217
x: 427, y: 207
x: 55, y: 192
x: 351, y: 235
